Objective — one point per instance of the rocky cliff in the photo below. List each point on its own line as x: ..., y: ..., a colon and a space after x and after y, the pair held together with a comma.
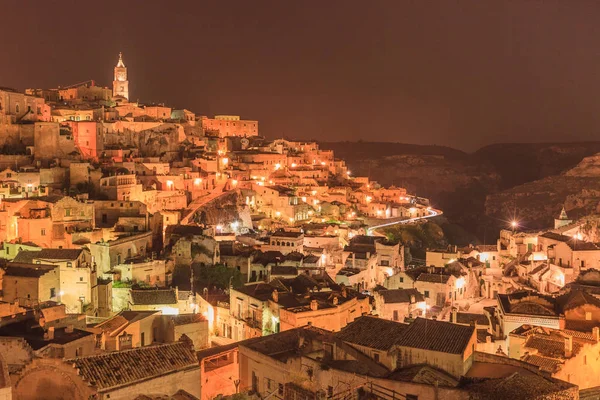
x: 478, y: 191
x: 537, y: 203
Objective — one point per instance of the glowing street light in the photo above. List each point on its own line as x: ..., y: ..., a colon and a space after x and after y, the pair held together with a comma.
x: 294, y: 165
x: 368, y: 199
x: 225, y: 160
x: 277, y: 166
x: 460, y: 283
x: 197, y: 181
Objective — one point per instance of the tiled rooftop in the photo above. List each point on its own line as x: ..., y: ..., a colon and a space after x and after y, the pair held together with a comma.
x: 153, y: 296
x: 372, y: 332
x: 435, y: 335
x: 122, y: 368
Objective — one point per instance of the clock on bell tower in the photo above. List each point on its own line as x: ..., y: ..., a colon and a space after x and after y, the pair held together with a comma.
x: 120, y: 82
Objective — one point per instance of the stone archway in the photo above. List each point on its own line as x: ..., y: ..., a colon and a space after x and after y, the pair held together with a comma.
x: 54, y: 378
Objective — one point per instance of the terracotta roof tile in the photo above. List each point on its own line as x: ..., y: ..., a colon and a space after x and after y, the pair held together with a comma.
x: 435, y: 335
x: 372, y: 332
x: 153, y: 296
x: 122, y: 368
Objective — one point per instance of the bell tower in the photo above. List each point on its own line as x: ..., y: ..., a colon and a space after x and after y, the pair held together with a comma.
x: 120, y: 82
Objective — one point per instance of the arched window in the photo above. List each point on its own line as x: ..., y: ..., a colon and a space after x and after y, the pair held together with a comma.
x: 17, y: 108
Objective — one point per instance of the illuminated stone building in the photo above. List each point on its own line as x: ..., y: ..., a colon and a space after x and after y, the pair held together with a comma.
x: 120, y: 82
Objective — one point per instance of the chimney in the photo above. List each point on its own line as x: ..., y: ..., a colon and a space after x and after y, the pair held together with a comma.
x: 335, y: 300
x: 412, y: 299
x: 454, y: 314
x: 49, y: 335
x: 568, y: 346
x: 313, y: 305
x: 275, y: 296
x: 596, y: 334
x: 69, y: 329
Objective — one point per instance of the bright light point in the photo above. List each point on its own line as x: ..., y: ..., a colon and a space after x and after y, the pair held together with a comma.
x: 514, y: 224
x: 234, y: 225
x: 294, y: 165
x: 323, y: 163
x: 291, y: 219
x: 197, y: 181
x: 368, y: 199
x: 235, y: 182
x: 277, y: 166
x: 277, y: 213
x: 315, y: 202
x: 169, y: 183
x: 219, y: 227
x: 412, y: 210
x: 378, y: 212
x: 310, y: 212
x: 460, y: 283
x: 304, y: 199
x: 225, y: 160
x: 348, y: 173
x: 61, y: 293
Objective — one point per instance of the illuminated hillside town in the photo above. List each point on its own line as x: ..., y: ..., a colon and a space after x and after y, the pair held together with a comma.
x: 150, y: 252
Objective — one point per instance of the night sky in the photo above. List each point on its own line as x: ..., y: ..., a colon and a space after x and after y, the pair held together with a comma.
x: 457, y: 73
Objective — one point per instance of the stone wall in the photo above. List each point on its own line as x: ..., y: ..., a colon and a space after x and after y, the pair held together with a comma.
x: 16, y: 353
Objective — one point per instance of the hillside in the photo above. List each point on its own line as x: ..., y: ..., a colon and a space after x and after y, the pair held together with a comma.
x: 538, y: 202
x: 464, y: 184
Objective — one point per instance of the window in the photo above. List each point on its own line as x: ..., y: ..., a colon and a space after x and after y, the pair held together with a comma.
x: 412, y: 397
x: 588, y: 315
x: 43, y: 233
x: 582, y: 263
x: 426, y: 294
x: 67, y: 212
x: 69, y: 264
x: 401, y: 279
x: 52, y: 293
x: 81, y: 279
x: 143, y: 339
x: 385, y: 263
x: 280, y: 389
x: 376, y: 357
x: 396, y: 315
x: 17, y: 108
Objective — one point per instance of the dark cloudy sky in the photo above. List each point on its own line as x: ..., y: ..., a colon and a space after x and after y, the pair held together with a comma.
x: 458, y: 73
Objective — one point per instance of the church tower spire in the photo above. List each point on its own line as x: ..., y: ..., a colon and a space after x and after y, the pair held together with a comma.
x: 120, y: 82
